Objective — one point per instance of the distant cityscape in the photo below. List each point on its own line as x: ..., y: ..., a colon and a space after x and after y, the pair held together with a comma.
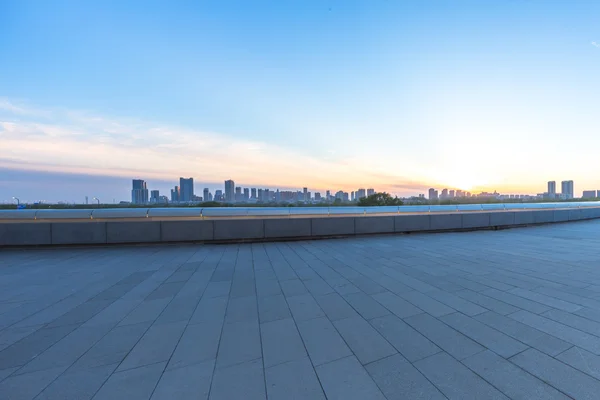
x: 184, y: 194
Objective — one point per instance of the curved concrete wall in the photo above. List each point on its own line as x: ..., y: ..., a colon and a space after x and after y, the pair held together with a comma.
x: 95, y: 232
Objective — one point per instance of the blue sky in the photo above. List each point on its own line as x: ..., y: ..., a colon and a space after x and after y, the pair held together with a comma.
x: 400, y: 96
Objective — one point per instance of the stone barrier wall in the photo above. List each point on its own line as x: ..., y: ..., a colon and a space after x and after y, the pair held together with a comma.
x: 235, y: 230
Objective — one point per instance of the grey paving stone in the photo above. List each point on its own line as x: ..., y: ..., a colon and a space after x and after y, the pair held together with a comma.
x: 281, y: 342
x: 317, y: 287
x: 189, y: 382
x: 574, y: 321
x: 398, y: 306
x: 367, y: 285
x: 427, y: 304
x: 113, y: 347
x: 410, y: 343
x: 399, y: 379
x: 293, y: 380
x: 199, y: 342
x: 241, y: 381
x: 133, y: 384
x: 157, y: 345
x: 323, y: 342
x: 457, y: 303
x: 210, y: 309
x: 561, y: 376
x: 346, y: 379
x: 240, y: 342
x: 491, y: 338
x: 304, y: 307
x: 267, y: 287
x: 448, y: 339
x: 180, y: 309
x: 27, y: 386
x: 77, y: 384
x: 524, y: 333
x: 564, y: 332
x: 516, y: 301
x: 487, y: 302
x: 509, y: 379
x: 366, y: 343
x: 582, y: 360
x: 366, y: 306
x: 335, y: 307
x: 5, y: 373
x: 23, y: 351
x: 455, y: 380
x: 166, y: 290
x: 547, y: 300
x: 293, y: 287
x: 217, y: 289
x: 10, y: 336
x: 147, y: 311
x: 272, y: 308
x: 242, y: 309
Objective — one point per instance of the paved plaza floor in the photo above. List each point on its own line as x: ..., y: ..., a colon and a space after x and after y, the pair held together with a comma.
x: 474, y: 315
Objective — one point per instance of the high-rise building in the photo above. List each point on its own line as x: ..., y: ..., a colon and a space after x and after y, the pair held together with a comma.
x: 370, y: 192
x: 433, y: 194
x: 219, y: 195
x: 175, y: 194
x: 268, y: 194
x: 339, y: 195
x: 238, y: 193
x: 327, y: 195
x: 154, y: 196
x: 229, y: 191
x: 552, y: 189
x: 589, y: 194
x: 206, y: 194
x: 305, y: 192
x: 317, y: 196
x: 186, y: 189
x: 253, y: 193
x: 139, y: 192
x: 352, y: 196
x: 451, y: 194
x: 360, y: 193
x: 444, y: 194
x: 246, y: 194
x: 567, y: 189
x: 261, y: 194
x: 345, y: 198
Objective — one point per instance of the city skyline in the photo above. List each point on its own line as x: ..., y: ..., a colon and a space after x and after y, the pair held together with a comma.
x: 401, y: 96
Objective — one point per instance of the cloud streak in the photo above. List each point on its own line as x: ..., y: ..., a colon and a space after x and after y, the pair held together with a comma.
x: 71, y: 141
x: 596, y: 44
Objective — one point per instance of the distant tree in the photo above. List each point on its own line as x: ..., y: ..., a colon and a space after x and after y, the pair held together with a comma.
x: 380, y: 199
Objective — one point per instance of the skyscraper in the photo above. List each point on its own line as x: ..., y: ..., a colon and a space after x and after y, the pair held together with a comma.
x: 552, y: 189
x: 238, y: 193
x: 219, y: 195
x: 229, y: 191
x: 261, y: 195
x: 370, y: 192
x: 359, y: 194
x: 444, y: 194
x: 433, y: 194
x: 186, y: 189
x: 206, y: 195
x: 154, y: 196
x: 175, y: 194
x: 246, y: 194
x: 567, y: 189
x: 451, y: 194
x: 328, y: 195
x: 253, y: 193
x: 139, y: 192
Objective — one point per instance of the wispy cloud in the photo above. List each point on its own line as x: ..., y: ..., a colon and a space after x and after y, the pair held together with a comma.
x: 596, y: 44
x: 73, y: 141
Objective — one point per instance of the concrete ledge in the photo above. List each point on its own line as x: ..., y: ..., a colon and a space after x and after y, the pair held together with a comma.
x: 411, y: 223
x: 25, y: 234
x: 561, y: 215
x: 239, y: 229
x: 78, y: 232
x: 332, y: 226
x: 475, y: 220
x: 575, y: 215
x: 186, y: 231
x: 442, y: 222
x: 286, y: 228
x: 364, y: 225
x: 524, y: 217
x: 499, y: 218
x: 543, y: 216
x: 588, y: 213
x: 133, y: 232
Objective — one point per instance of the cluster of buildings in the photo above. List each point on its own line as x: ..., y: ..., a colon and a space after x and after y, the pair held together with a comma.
x: 567, y: 191
x: 184, y: 193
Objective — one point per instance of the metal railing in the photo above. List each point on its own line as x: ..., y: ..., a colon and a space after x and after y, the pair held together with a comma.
x: 241, y: 212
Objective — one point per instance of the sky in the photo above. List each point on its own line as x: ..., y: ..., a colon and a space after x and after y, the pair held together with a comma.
x: 396, y: 95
